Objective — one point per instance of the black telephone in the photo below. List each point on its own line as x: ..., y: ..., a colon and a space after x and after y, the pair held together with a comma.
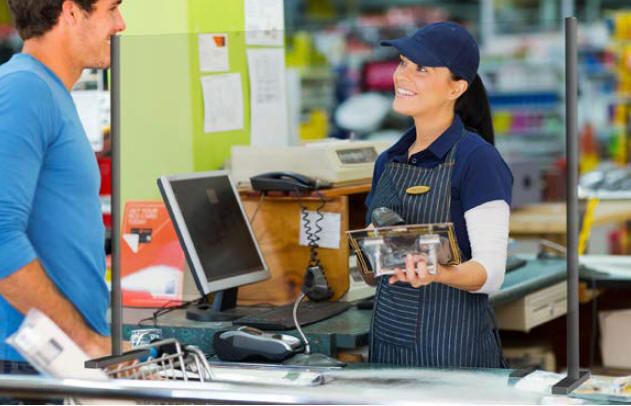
x: 315, y: 285
x: 284, y: 181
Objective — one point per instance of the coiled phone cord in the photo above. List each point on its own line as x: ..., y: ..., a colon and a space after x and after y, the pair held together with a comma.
x: 313, y: 236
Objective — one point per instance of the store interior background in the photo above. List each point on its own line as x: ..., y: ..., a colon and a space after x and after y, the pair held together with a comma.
x: 332, y: 57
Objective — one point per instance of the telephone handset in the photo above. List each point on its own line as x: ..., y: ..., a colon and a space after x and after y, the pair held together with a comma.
x: 284, y: 181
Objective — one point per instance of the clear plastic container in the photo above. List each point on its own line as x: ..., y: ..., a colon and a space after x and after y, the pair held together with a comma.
x: 144, y: 336
x: 386, y: 254
x: 381, y: 250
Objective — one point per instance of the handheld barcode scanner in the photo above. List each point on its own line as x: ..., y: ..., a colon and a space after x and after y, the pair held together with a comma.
x: 383, y: 217
x: 315, y: 286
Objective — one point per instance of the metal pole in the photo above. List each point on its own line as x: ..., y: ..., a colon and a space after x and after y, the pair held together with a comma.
x: 116, y: 300
x: 571, y: 85
x: 574, y: 376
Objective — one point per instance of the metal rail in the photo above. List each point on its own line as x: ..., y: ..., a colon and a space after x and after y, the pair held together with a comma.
x: 167, y: 391
x: 574, y: 376
x: 116, y: 298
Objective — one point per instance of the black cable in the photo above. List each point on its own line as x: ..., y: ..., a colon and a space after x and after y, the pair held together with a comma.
x: 164, y: 309
x: 258, y: 206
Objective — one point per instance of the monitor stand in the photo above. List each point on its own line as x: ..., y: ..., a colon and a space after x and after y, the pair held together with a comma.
x: 223, y: 308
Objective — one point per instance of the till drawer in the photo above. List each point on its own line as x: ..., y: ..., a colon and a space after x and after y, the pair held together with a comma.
x: 533, y: 309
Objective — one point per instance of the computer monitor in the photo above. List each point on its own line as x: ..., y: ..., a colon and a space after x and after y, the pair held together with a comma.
x: 217, y: 239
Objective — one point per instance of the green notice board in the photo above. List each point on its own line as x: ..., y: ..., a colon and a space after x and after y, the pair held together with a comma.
x: 227, y: 17
x: 162, y: 117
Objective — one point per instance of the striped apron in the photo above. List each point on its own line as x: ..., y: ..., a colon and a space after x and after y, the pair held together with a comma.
x: 435, y: 325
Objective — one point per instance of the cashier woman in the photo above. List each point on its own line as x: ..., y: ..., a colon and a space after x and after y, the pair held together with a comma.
x: 442, y: 320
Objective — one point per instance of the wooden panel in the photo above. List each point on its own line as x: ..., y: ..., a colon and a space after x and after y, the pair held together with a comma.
x: 550, y: 218
x: 328, y: 193
x: 277, y: 227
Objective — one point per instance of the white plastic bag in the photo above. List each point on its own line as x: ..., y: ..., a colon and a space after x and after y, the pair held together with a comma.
x: 45, y: 346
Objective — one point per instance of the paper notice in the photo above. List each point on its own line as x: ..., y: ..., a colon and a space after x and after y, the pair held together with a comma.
x: 264, y: 22
x: 268, y: 97
x: 329, y: 236
x: 223, y: 102
x: 213, y: 53
x: 93, y: 107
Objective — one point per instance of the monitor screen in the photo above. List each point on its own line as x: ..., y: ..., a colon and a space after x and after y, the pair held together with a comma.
x: 214, y: 230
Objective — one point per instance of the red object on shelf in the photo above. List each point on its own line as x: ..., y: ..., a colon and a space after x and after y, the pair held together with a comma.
x: 376, y: 76
x: 615, y: 244
x: 105, y: 167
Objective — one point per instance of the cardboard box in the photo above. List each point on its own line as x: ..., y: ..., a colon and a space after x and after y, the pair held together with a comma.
x: 615, y: 330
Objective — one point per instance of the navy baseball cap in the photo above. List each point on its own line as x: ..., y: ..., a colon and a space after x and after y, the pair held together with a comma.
x: 441, y: 44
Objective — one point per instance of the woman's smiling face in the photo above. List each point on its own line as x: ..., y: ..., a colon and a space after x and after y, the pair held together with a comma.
x: 422, y: 90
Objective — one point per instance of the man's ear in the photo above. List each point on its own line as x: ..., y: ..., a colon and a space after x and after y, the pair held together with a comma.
x: 69, y: 13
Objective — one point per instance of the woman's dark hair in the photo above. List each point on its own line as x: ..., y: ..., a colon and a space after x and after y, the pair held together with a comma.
x: 474, y: 110
x: 34, y: 18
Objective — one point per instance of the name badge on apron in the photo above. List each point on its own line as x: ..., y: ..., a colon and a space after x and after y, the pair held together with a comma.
x: 417, y: 190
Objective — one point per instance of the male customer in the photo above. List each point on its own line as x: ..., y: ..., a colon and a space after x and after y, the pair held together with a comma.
x: 51, y: 232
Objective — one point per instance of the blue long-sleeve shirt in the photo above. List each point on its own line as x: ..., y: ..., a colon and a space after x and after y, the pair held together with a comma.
x: 49, y: 194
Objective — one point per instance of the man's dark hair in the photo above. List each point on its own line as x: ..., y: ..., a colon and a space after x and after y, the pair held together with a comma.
x: 34, y: 18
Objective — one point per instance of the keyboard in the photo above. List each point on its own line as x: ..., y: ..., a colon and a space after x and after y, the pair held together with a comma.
x: 281, y: 317
x: 513, y: 263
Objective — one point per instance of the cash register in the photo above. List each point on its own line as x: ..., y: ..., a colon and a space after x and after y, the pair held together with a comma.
x: 340, y: 163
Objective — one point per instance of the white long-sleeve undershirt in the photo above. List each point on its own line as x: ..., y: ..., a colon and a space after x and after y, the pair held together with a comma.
x: 487, y: 226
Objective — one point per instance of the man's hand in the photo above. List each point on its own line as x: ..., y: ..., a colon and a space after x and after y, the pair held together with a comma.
x: 30, y: 287
x: 99, y: 346
x: 415, y: 272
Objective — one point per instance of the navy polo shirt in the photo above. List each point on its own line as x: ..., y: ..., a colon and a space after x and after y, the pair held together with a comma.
x: 479, y: 175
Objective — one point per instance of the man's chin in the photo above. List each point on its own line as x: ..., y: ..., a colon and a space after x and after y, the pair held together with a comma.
x: 99, y: 65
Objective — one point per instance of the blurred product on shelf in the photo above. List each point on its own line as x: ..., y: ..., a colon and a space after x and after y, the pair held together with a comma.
x: 527, y: 185
x: 588, y: 149
x: 315, y: 127
x: 333, y: 47
x: 346, y: 78
x: 607, y: 180
x: 363, y: 113
x: 554, y: 185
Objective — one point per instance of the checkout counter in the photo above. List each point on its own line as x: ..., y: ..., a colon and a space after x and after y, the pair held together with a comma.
x: 354, y: 384
x: 357, y: 383
x: 348, y: 330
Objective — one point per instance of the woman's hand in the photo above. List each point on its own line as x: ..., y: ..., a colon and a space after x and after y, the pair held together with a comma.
x: 415, y: 272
